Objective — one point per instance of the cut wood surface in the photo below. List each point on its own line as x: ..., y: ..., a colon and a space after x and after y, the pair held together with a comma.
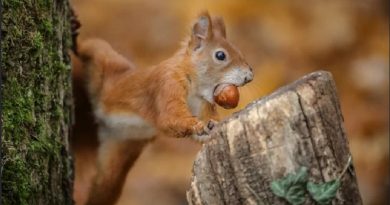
x: 298, y: 125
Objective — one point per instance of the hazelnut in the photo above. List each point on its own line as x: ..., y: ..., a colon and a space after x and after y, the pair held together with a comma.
x: 227, y: 96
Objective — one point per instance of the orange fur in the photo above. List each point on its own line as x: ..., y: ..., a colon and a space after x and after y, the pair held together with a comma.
x: 173, y: 98
x: 115, y: 159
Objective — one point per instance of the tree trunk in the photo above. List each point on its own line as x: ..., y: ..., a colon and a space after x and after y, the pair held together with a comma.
x: 300, y: 125
x: 36, y: 101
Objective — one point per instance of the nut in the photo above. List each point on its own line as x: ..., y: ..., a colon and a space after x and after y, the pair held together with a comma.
x: 227, y: 96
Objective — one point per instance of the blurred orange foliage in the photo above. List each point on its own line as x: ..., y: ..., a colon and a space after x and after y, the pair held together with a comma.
x: 282, y: 40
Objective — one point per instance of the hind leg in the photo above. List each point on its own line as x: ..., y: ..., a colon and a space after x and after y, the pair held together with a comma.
x: 115, y: 158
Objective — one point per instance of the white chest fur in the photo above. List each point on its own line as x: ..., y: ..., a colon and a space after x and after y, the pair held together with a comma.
x: 123, y: 127
x: 195, y: 104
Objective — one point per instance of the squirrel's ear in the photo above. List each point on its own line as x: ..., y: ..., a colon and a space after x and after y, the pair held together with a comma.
x: 202, y: 30
x: 219, y: 26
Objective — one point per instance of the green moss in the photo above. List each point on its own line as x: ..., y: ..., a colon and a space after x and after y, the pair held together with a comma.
x: 36, y: 75
x: 47, y: 26
x: 37, y: 40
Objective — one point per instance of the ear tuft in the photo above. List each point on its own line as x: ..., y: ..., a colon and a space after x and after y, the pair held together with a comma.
x: 202, y: 29
x: 219, y: 26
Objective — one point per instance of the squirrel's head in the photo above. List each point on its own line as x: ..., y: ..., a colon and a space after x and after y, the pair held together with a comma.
x: 215, y: 59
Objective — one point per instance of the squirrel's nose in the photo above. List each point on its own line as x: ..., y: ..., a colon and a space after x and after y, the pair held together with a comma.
x: 247, y: 79
x: 249, y: 76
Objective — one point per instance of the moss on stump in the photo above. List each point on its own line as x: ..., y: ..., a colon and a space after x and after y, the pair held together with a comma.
x: 36, y: 100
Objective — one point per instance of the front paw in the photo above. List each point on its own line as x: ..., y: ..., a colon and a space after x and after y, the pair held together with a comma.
x: 202, y: 133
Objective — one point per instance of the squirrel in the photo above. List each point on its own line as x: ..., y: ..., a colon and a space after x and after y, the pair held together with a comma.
x: 131, y: 106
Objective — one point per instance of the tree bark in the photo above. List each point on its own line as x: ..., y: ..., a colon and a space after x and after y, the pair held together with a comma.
x: 298, y: 125
x: 36, y: 101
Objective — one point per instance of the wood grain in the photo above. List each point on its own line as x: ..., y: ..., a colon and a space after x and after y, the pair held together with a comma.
x: 298, y: 125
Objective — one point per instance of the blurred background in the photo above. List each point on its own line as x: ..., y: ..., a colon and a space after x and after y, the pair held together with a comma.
x: 282, y: 40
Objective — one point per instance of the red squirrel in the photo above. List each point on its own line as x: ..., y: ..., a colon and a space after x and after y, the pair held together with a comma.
x: 131, y: 106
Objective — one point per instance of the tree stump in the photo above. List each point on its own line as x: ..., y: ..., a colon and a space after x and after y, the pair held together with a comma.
x: 299, y: 125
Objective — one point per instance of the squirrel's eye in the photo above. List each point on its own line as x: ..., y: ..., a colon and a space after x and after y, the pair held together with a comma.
x: 220, y: 55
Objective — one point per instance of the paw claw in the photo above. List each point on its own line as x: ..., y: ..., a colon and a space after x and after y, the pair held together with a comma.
x: 203, y: 131
x: 211, y: 124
